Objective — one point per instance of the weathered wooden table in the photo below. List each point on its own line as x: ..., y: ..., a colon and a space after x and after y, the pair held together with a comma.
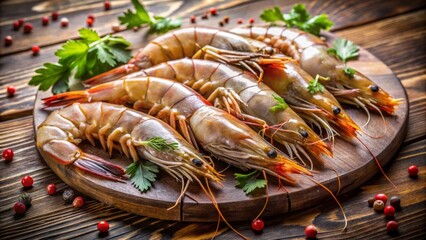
x: 394, y: 31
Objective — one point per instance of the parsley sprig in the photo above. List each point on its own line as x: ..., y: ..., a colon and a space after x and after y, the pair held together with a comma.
x: 142, y: 175
x: 298, y: 17
x: 249, y: 182
x: 85, y: 57
x: 344, y: 50
x: 281, y: 104
x: 141, y: 17
x: 315, y: 86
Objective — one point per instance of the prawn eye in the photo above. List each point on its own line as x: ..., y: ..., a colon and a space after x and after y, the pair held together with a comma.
x: 336, y: 110
x: 268, y: 50
x: 374, y: 88
x: 272, y: 153
x: 304, y: 133
x: 197, y: 162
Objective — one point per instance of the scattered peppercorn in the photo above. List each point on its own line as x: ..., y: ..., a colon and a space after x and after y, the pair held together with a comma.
x: 16, y: 25
x: 413, y: 171
x: 378, y: 205
x: 19, y: 208
x: 27, y: 181
x: 115, y: 27
x: 21, y: 21
x: 54, y: 16
x: 8, y: 40
x: 240, y: 21
x: 8, y: 153
x: 371, y: 202
x: 103, y: 226
x: 45, y: 20
x: 392, y: 226
x: 213, y: 11
x: 257, y: 225
x: 51, y: 189
x: 205, y: 16
x: 221, y: 24
x: 91, y: 16
x: 26, y: 199
x: 10, y: 93
x: 251, y: 20
x: 68, y: 196
x: 64, y: 22
x: 78, y: 202
x: 36, y: 50
x: 226, y: 19
x: 89, y: 22
x: 311, y: 231
x: 107, y: 5
x: 395, y: 202
x: 28, y: 27
x: 389, y: 211
x: 135, y: 29
x: 381, y: 196
x: 193, y: 19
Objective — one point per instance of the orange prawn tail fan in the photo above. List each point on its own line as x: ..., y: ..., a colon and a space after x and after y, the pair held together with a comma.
x: 287, y: 166
x: 66, y: 98
x: 111, y: 75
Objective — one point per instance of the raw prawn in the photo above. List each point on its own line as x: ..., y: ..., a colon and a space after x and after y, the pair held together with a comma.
x: 188, y: 42
x: 311, y: 52
x: 201, y: 124
x: 229, y: 87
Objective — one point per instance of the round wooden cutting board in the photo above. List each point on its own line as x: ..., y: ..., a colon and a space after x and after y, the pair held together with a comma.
x: 352, y: 162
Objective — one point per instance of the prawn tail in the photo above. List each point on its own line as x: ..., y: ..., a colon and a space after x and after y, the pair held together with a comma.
x: 66, y: 99
x: 287, y: 166
x: 391, y: 106
x: 111, y: 75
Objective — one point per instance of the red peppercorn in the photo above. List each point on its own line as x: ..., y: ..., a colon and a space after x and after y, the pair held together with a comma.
x: 213, y: 11
x: 226, y: 19
x: 19, y: 208
x: 64, y: 22
x: 10, y: 93
x: 45, y: 20
x: 16, y: 25
x: 257, y: 225
x: 27, y: 181
x: 89, y: 22
x: 381, y: 196
x: 392, y: 226
x: 36, y: 50
x: 107, y: 5
x: 21, y: 21
x: 193, y: 19
x: 8, y: 153
x: 389, y: 211
x: 78, y: 202
x: 251, y: 20
x: 55, y: 16
x: 103, y: 226
x: 28, y: 27
x: 240, y: 21
x: 311, y: 231
x: 8, y: 40
x: 91, y: 16
x: 51, y: 189
x: 413, y: 171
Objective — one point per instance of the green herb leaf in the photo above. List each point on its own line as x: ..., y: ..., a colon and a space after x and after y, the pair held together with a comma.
x: 142, y: 175
x: 49, y: 75
x: 157, y: 24
x: 344, y: 49
x: 159, y: 144
x: 314, y: 85
x: 249, y: 182
x: 281, y: 104
x: 350, y: 72
x: 272, y: 15
x: 86, y: 57
x: 298, y: 17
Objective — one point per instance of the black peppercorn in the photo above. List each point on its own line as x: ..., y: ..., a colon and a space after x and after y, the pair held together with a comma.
x: 68, y: 196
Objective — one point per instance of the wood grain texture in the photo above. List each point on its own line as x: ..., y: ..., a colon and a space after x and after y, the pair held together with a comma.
x: 376, y: 24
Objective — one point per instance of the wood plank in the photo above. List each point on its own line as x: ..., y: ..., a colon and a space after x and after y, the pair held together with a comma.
x: 50, y: 218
